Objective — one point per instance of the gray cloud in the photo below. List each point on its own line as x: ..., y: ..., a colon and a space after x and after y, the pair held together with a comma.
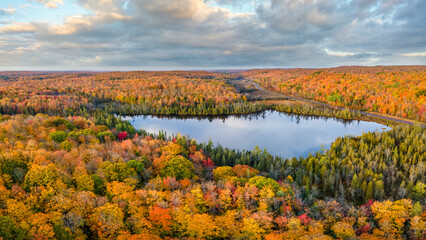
x: 193, y: 34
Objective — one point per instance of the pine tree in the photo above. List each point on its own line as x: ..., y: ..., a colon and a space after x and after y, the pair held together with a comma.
x: 379, y: 191
x: 355, y: 182
x: 370, y: 191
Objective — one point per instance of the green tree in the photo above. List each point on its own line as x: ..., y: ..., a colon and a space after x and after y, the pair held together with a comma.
x: 419, y: 192
x: 103, y: 136
x: 379, y: 191
x: 99, y: 185
x: 417, y: 209
x: 178, y: 167
x: 58, y: 136
x: 41, y: 176
x: 370, y: 191
x: 116, y: 171
x: 8, y: 229
x: 261, y: 182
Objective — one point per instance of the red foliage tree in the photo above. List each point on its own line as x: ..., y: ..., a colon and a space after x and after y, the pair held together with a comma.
x: 304, y: 219
x: 161, y: 218
x: 122, y: 135
x: 364, y: 229
x: 208, y: 163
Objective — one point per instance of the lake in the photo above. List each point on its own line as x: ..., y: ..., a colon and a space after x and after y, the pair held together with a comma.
x: 282, y: 134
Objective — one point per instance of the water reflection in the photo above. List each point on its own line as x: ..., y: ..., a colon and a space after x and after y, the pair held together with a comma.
x: 282, y: 134
x: 250, y: 116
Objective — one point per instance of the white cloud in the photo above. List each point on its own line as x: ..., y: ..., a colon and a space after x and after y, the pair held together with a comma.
x: 7, y: 11
x: 179, y: 10
x: 19, y: 27
x: 94, y: 60
x: 338, y: 53
x: 104, y: 5
x: 49, y: 3
x: 74, y: 24
x: 417, y: 54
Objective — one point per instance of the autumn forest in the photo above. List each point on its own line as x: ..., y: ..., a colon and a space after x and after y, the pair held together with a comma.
x: 72, y: 168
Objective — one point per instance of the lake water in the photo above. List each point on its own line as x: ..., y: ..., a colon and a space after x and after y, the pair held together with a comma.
x: 280, y: 133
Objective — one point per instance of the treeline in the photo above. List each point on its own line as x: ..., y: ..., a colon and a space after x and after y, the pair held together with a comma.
x: 71, y: 178
x: 200, y: 109
x: 310, y: 110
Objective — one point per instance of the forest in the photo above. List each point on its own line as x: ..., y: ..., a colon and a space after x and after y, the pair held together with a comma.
x: 170, y: 93
x: 71, y: 168
x: 394, y: 90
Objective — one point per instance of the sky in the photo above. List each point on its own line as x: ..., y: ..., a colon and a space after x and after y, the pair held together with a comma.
x: 105, y: 35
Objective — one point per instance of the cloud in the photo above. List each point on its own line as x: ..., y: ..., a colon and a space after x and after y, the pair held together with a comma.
x: 94, y: 60
x: 7, y: 11
x: 197, y: 34
x: 304, y: 15
x: 103, y: 5
x: 338, y: 53
x: 19, y: 27
x: 49, y: 3
x: 84, y: 23
x: 183, y: 11
x: 418, y: 54
x: 229, y: 2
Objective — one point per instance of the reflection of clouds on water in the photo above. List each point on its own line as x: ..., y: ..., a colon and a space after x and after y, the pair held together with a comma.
x: 237, y: 123
x: 321, y: 140
x: 281, y: 134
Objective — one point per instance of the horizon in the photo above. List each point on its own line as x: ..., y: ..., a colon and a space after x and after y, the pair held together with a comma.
x: 208, y: 70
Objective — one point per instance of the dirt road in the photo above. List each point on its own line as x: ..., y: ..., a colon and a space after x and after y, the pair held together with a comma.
x: 332, y: 106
